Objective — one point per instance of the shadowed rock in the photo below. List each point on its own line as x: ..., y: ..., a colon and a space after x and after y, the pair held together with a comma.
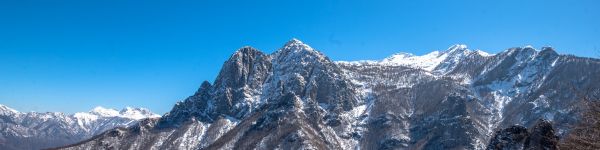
x: 540, y: 137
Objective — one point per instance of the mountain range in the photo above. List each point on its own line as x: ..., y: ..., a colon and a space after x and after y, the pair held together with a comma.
x: 298, y: 98
x: 33, y: 130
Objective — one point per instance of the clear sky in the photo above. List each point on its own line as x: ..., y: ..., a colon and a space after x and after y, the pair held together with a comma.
x: 72, y: 55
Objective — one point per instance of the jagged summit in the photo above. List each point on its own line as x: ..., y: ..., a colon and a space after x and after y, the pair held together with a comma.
x: 239, y: 68
x: 230, y: 95
x: 205, y: 86
x: 244, y: 54
x: 439, y: 62
x: 295, y: 52
x: 246, y: 50
x: 529, y: 51
x: 296, y: 44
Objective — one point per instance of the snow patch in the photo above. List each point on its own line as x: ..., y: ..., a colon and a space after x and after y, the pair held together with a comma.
x: 105, y: 112
x: 426, y: 62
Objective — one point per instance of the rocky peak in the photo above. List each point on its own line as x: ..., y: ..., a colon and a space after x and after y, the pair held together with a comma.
x: 241, y: 77
x: 242, y: 67
x: 296, y: 52
x: 528, y: 54
x: 295, y: 44
x: 205, y: 87
x: 452, y: 57
x: 516, y: 55
x: 245, y: 52
x: 525, y: 51
x: 548, y: 52
x: 307, y: 73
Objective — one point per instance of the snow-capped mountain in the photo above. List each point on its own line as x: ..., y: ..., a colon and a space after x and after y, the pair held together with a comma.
x: 297, y: 98
x: 33, y: 130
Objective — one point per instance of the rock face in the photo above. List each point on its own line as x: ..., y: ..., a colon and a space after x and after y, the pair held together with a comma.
x: 297, y: 98
x: 541, y: 136
x: 32, y: 130
x: 511, y: 138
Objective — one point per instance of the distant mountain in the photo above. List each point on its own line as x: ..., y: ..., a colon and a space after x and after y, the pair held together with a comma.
x: 35, y: 130
x: 297, y: 98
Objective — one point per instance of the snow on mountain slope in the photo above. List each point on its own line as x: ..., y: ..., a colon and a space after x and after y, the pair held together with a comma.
x: 296, y: 98
x: 5, y: 110
x: 436, y: 61
x: 137, y: 113
x: 425, y: 62
x: 33, y: 130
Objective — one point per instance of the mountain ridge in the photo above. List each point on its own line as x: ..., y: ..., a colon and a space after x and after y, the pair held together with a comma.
x: 296, y: 98
x: 37, y: 130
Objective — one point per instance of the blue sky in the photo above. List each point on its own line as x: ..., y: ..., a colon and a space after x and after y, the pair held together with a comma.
x: 72, y: 55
